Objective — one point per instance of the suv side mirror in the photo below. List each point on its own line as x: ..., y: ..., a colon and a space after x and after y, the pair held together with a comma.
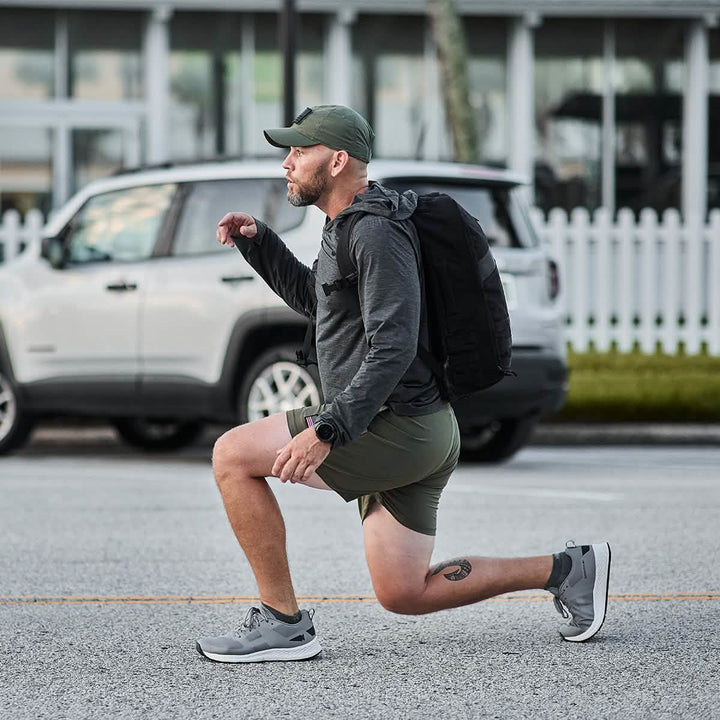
x: 55, y: 252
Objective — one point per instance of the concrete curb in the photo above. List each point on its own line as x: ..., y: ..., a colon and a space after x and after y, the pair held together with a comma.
x: 87, y: 436
x: 626, y: 434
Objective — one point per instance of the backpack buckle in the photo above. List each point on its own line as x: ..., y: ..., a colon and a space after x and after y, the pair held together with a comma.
x: 340, y: 284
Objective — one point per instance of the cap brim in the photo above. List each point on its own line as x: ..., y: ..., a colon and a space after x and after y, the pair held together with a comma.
x: 287, y: 137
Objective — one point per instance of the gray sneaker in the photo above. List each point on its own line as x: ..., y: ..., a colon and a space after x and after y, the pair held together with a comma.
x: 582, y: 596
x: 263, y: 637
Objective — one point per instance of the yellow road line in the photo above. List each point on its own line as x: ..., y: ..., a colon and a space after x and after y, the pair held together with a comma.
x: 316, y: 599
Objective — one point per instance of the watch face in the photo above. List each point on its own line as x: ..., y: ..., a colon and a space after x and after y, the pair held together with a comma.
x: 325, y: 432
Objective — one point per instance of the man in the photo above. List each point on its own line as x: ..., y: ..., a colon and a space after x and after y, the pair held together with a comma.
x: 384, y: 436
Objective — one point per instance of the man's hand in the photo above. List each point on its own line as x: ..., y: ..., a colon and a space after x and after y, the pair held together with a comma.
x: 235, y: 223
x: 301, y: 457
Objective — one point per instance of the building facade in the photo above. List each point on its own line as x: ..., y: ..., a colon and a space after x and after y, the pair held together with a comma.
x: 603, y: 103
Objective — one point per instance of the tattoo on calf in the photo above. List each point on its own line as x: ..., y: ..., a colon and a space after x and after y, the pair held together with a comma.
x: 464, y: 568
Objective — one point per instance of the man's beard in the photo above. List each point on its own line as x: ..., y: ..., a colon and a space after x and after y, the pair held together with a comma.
x: 310, y: 193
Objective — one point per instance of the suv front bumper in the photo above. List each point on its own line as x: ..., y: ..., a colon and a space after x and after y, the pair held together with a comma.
x: 539, y: 389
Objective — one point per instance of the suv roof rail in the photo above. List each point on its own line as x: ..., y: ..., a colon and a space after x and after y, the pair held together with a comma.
x: 169, y: 164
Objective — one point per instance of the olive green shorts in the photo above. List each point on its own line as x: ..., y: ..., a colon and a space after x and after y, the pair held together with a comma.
x: 401, y: 462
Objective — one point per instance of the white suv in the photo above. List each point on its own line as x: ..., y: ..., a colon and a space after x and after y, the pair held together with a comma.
x: 130, y: 310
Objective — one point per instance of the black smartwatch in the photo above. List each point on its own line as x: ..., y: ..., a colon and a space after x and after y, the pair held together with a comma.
x: 326, y: 432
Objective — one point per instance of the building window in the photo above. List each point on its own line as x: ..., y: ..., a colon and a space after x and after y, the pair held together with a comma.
x: 27, y: 41
x: 714, y: 121
x: 392, y: 82
x: 225, y: 93
x: 25, y: 169
x: 397, y: 86
x: 96, y: 153
x: 649, y: 86
x: 105, y: 55
x: 487, y: 48
x: 569, y: 79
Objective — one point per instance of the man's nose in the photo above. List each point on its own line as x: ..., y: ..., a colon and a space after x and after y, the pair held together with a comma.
x: 286, y: 162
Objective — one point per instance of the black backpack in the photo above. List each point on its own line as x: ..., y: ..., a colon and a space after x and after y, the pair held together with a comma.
x: 468, y: 322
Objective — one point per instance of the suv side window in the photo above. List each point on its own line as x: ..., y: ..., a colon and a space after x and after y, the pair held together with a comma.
x: 121, y: 225
x: 209, y: 201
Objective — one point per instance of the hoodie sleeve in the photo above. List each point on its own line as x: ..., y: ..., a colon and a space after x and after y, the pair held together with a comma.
x: 279, y: 268
x: 390, y: 302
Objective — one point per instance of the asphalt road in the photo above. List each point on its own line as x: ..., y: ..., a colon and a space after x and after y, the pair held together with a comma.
x: 111, y: 564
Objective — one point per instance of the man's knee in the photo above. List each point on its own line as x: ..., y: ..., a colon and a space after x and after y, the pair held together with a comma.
x: 401, y: 600
x: 228, y: 453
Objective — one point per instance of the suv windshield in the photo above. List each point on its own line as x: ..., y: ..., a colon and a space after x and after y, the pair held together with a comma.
x: 497, y: 208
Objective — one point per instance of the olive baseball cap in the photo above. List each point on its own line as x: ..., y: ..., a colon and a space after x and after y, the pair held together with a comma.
x: 335, y: 126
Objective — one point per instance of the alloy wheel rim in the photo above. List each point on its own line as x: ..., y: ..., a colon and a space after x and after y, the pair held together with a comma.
x: 8, y: 407
x: 280, y: 387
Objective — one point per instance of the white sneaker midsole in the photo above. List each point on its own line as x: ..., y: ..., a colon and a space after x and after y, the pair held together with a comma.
x: 302, y: 652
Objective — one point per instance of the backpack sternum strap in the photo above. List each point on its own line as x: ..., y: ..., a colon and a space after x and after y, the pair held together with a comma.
x: 340, y: 284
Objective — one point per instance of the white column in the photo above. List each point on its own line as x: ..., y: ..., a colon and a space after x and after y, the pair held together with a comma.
x: 521, y: 97
x: 157, y: 83
x: 62, y: 164
x: 338, y: 57
x: 695, y: 168
x: 608, y: 120
x: 62, y: 154
x: 695, y: 124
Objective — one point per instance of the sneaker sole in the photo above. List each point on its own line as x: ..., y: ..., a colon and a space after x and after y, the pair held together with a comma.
x: 304, y: 652
x: 600, y: 592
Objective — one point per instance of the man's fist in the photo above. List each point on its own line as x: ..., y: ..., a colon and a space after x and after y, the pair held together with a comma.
x: 235, y: 223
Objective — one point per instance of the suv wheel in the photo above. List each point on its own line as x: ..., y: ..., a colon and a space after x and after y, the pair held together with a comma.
x: 276, y: 383
x: 153, y: 435
x: 15, y: 424
x: 498, y: 441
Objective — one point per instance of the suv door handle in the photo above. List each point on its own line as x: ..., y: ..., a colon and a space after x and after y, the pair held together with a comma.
x: 237, y: 278
x: 121, y: 287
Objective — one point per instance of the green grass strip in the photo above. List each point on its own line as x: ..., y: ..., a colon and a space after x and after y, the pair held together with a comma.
x: 632, y: 387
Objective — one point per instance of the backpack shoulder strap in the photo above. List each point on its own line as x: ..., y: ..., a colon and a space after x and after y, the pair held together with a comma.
x: 348, y: 271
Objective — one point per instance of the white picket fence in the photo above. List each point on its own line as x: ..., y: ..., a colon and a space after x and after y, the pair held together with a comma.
x: 653, y: 283
x: 14, y: 234
x: 649, y: 284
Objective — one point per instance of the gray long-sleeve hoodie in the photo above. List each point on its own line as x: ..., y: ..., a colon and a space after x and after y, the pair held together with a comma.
x: 367, y: 334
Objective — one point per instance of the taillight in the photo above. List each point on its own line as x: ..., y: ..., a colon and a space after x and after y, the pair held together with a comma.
x: 553, y: 279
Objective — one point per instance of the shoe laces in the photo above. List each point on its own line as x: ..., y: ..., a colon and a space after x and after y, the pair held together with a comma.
x: 253, y: 618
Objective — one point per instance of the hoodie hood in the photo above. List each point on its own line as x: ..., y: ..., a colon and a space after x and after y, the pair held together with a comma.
x: 384, y: 202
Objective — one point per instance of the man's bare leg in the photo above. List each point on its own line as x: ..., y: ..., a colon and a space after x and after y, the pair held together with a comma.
x: 404, y: 582
x: 242, y: 458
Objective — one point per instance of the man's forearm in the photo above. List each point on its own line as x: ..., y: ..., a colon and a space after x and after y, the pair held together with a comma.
x: 279, y: 268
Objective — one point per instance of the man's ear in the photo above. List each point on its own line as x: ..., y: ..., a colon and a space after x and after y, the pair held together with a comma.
x: 339, y: 162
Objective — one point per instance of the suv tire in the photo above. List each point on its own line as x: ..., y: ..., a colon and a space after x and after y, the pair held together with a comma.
x: 499, y: 441
x: 276, y: 383
x: 15, y: 423
x: 157, y: 435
